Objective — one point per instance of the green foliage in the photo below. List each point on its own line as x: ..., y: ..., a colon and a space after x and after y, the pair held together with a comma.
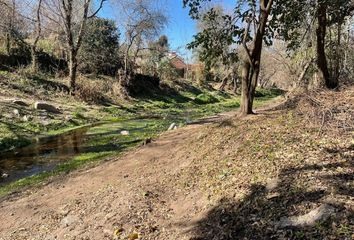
x: 288, y: 20
x: 269, y: 93
x: 213, y: 43
x: 205, y: 98
x: 295, y: 19
x: 158, y: 64
x: 99, y: 51
x: 167, y: 71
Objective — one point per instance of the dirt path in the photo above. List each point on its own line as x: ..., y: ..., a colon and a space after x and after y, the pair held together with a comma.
x: 134, y: 194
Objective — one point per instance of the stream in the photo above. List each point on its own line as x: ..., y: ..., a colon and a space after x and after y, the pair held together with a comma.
x: 46, y: 153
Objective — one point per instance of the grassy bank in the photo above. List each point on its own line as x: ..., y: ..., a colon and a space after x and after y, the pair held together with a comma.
x: 19, y: 124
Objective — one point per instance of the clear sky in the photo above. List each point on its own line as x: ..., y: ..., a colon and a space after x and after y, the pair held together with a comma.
x: 180, y: 28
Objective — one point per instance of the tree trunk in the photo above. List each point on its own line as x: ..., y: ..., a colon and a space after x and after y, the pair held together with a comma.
x: 223, y: 84
x: 72, y: 69
x: 338, y: 52
x: 246, y: 103
x: 8, y: 43
x: 34, y: 53
x: 34, y: 57
x: 322, y: 64
x: 300, y: 80
x: 251, y: 66
x: 234, y: 80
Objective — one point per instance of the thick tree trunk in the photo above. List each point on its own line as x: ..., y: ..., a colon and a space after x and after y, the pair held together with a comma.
x: 322, y: 64
x: 246, y: 103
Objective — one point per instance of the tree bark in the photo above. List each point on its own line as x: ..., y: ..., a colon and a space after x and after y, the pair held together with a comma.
x: 246, y: 105
x: 322, y: 64
x: 72, y: 69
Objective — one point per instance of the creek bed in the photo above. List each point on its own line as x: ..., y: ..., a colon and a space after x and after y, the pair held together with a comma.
x: 46, y: 153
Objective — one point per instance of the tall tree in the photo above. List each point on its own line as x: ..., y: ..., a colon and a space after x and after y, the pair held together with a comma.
x: 322, y: 14
x: 74, y: 44
x: 253, y: 14
x: 142, y: 21
x: 70, y: 15
x: 37, y: 35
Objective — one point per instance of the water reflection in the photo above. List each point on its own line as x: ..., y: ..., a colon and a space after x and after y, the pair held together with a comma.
x: 46, y: 153
x: 42, y: 155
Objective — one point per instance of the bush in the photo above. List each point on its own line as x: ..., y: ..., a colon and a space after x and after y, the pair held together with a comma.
x: 99, y: 51
x: 205, y: 98
x: 90, y: 90
x: 262, y: 92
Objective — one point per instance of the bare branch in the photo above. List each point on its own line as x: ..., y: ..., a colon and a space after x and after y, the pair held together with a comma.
x: 99, y: 8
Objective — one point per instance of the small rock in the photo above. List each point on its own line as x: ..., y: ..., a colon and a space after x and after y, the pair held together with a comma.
x: 26, y: 118
x: 321, y: 213
x: 45, y: 106
x: 20, y: 102
x: 173, y: 126
x: 45, y: 122
x: 124, y: 133
x: 272, y: 184
x: 5, y: 175
x: 16, y: 112
x: 147, y: 141
x: 69, y: 220
x: 133, y: 236
x: 107, y: 233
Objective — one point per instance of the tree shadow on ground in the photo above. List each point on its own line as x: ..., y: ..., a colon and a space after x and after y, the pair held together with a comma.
x: 260, y: 214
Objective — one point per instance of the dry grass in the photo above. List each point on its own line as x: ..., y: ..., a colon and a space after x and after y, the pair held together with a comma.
x: 306, y: 145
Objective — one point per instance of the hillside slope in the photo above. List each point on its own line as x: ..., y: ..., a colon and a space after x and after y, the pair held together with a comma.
x: 285, y: 173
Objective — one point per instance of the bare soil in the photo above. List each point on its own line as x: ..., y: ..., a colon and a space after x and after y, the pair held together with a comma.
x: 226, y: 177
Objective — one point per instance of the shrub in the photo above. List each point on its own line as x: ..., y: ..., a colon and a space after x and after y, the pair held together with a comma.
x: 99, y: 51
x: 205, y: 98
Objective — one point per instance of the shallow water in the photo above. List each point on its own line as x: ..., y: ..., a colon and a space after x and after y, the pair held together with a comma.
x: 46, y: 153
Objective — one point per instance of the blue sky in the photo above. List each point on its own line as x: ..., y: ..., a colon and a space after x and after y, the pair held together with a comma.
x: 180, y: 28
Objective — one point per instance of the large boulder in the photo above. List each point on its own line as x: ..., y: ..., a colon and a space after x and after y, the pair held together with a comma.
x: 47, y: 107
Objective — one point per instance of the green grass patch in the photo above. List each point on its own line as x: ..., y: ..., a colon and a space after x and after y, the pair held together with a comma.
x: 205, y: 98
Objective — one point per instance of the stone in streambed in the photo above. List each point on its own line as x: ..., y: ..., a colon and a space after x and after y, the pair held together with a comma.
x: 20, y: 102
x: 45, y: 106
